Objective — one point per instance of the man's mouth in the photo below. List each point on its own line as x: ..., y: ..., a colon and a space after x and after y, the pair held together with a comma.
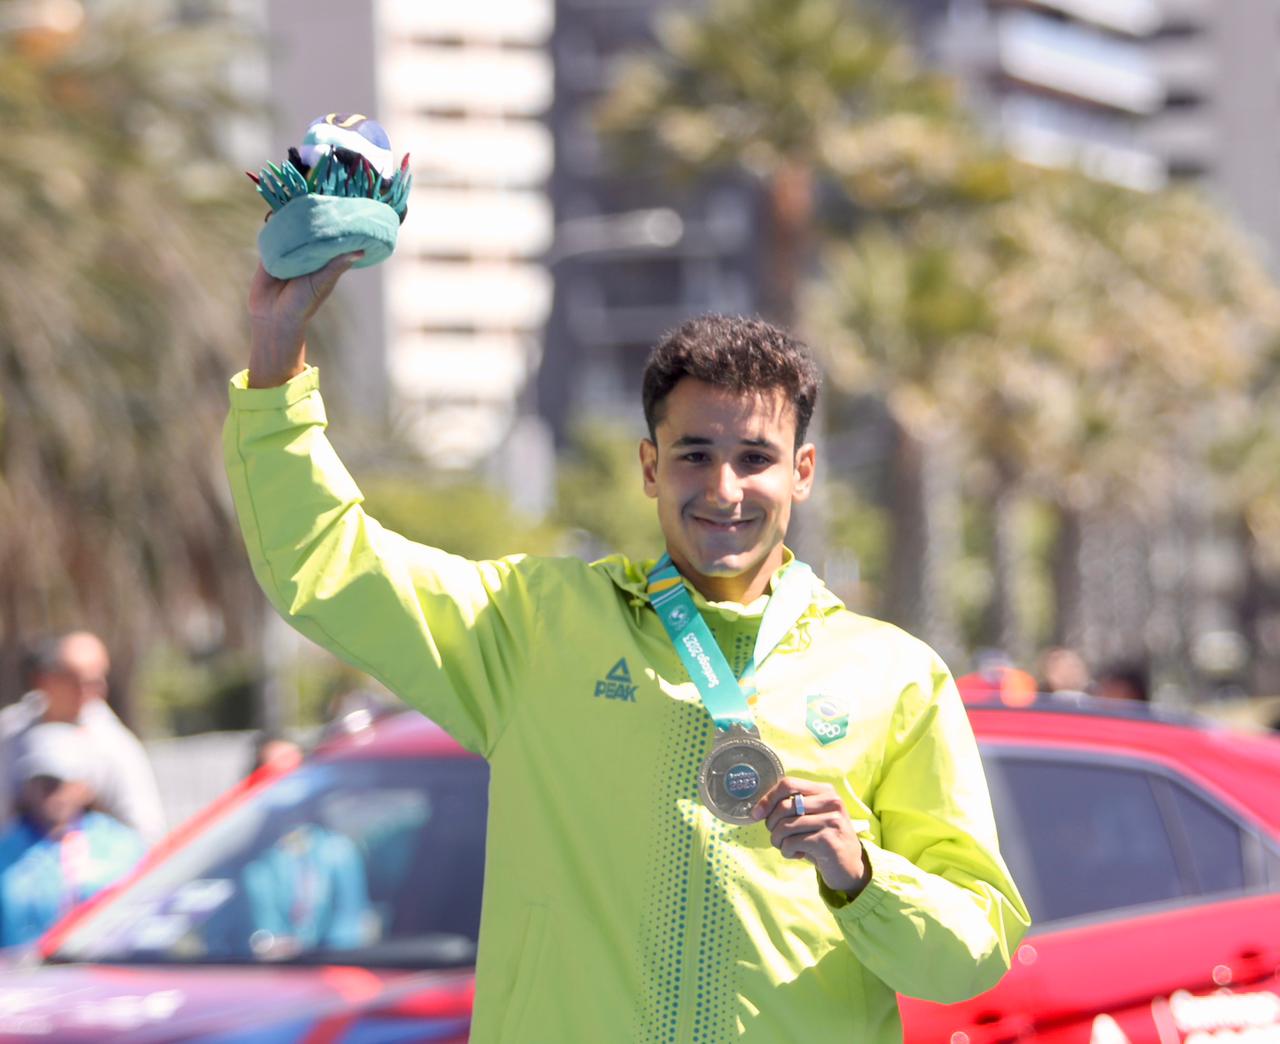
x: 723, y: 525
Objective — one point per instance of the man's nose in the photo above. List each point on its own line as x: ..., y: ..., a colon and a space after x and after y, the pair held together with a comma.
x: 726, y: 486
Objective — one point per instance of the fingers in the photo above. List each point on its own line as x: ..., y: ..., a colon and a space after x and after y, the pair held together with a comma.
x: 794, y: 835
x: 322, y: 281
x: 779, y: 799
x: 816, y: 827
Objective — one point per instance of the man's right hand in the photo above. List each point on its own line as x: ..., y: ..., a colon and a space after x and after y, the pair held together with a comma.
x: 279, y: 310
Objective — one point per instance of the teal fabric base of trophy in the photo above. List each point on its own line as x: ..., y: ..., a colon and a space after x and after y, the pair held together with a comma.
x: 338, y: 192
x: 310, y: 231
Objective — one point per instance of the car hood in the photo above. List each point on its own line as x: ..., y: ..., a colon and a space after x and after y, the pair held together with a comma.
x: 157, y: 1004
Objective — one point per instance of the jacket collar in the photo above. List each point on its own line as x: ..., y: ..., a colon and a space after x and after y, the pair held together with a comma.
x: 632, y: 578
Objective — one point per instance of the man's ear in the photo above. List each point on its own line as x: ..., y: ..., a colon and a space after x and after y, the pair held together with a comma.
x: 649, y: 467
x: 806, y: 463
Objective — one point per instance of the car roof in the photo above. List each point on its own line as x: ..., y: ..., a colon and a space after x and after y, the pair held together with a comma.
x: 1242, y: 768
x: 402, y: 733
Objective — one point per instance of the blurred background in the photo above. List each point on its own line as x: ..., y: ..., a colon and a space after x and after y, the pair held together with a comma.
x: 1034, y: 243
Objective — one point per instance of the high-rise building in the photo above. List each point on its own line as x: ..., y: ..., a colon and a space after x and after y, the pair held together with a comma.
x: 533, y: 273
x: 446, y: 335
x: 633, y: 257
x: 1139, y: 92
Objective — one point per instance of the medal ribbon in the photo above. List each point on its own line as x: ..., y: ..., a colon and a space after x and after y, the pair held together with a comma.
x: 724, y: 695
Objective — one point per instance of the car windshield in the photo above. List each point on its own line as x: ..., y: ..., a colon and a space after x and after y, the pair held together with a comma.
x: 374, y: 863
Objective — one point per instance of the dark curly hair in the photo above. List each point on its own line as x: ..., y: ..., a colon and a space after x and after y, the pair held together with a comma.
x: 740, y: 354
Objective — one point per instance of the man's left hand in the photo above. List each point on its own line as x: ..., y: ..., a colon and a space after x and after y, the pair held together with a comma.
x: 824, y: 834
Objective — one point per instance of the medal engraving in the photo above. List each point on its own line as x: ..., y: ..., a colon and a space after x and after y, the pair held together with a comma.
x: 736, y: 774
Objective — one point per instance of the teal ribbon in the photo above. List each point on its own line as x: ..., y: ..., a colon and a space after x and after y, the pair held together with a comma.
x: 724, y: 695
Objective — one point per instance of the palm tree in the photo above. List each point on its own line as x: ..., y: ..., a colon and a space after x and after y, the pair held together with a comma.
x: 121, y: 291
x: 1072, y: 339
x: 1154, y: 313
x: 903, y: 316
x: 790, y: 93
x: 786, y: 91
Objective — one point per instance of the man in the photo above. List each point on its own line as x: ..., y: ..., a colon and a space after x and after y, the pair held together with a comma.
x: 617, y: 906
x: 68, y: 678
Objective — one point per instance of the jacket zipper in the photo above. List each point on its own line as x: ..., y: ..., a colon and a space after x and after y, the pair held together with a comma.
x: 693, y: 933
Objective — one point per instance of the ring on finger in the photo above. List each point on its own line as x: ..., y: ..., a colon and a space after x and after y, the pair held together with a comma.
x: 797, y: 804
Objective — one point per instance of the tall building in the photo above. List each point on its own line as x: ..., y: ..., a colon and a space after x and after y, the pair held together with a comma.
x: 445, y: 336
x: 632, y: 258
x: 1139, y: 92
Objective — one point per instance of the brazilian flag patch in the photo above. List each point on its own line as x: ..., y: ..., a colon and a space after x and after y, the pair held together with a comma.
x: 827, y: 718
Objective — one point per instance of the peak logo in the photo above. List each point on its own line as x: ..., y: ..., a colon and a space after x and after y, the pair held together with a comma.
x: 617, y: 684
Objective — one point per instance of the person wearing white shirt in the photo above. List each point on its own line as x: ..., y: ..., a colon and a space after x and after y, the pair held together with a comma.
x: 68, y: 675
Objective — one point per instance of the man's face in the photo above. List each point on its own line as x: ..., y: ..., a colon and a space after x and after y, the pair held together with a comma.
x: 725, y: 473
x: 80, y: 676
x: 55, y: 804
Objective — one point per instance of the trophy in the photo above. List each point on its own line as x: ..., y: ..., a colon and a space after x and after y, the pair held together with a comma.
x: 338, y: 192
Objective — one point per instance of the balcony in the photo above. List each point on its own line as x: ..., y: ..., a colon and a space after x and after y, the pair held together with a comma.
x: 1077, y: 62
x: 490, y: 152
x: 476, y: 222
x: 483, y: 79
x: 1057, y: 134
x: 510, y: 21
x: 1132, y: 17
x: 467, y: 295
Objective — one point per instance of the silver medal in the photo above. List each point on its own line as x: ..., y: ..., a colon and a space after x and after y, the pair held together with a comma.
x: 740, y: 769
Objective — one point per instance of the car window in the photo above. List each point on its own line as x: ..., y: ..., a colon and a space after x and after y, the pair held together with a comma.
x: 1082, y: 837
x: 376, y: 862
x: 1214, y: 842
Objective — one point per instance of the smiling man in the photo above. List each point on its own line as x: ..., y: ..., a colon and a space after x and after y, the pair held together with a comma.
x: 722, y: 806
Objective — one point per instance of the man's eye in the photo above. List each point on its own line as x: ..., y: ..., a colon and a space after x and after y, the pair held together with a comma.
x: 696, y: 457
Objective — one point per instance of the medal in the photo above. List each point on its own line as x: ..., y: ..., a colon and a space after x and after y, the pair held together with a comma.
x: 740, y: 769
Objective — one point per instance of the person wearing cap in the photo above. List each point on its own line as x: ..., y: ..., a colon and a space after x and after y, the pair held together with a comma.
x: 68, y: 678
x: 61, y: 849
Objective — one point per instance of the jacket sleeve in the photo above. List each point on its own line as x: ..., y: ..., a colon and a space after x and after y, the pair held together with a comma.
x: 448, y: 635
x: 941, y: 916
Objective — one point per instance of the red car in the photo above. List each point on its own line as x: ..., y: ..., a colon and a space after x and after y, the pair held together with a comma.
x: 337, y: 902
x: 340, y: 902
x: 1147, y: 848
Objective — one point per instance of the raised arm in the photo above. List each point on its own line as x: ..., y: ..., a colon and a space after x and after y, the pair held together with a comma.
x: 279, y: 310
x: 450, y: 636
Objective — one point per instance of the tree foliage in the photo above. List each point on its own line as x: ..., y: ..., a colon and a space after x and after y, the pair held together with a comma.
x: 764, y: 85
x: 121, y: 291
x: 1032, y: 332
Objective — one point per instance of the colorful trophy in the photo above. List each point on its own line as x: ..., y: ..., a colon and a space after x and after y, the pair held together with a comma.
x: 338, y: 192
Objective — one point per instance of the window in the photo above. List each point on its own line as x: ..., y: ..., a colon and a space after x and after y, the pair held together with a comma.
x: 368, y: 862
x: 1083, y: 837
x: 1214, y: 844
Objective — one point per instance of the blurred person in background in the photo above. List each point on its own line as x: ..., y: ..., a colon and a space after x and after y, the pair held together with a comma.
x: 996, y: 677
x: 1124, y: 681
x: 68, y: 679
x: 308, y: 892
x: 62, y: 848
x: 1063, y: 672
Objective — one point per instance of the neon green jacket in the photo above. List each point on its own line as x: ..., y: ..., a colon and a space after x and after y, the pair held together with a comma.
x: 616, y: 908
